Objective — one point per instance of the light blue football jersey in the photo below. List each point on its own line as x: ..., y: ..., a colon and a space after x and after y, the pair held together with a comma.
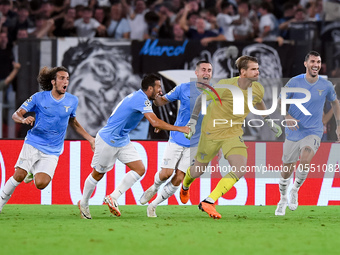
x: 51, y: 120
x: 321, y: 91
x: 187, y: 94
x: 124, y: 118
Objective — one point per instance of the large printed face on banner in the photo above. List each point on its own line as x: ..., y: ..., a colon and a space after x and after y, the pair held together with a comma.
x: 101, y: 76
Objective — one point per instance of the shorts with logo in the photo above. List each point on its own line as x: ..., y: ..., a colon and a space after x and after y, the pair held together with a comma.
x: 292, y: 149
x: 208, y: 148
x: 178, y: 157
x: 35, y: 161
x: 105, y: 156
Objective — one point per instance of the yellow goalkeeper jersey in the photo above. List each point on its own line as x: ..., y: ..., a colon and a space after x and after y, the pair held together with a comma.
x: 220, y: 122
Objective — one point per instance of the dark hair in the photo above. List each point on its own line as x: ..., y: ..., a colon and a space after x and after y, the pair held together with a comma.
x: 242, y: 62
x: 202, y: 62
x: 46, y: 75
x: 267, y: 6
x: 312, y: 53
x: 149, y: 80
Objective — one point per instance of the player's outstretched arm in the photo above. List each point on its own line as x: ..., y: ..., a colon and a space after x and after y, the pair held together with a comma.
x: 160, y: 101
x: 270, y: 122
x: 160, y: 124
x: 336, y: 109
x: 18, y: 117
x: 81, y: 131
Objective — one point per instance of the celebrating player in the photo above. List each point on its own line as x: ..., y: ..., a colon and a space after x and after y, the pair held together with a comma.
x: 54, y: 109
x: 177, y: 153
x: 226, y: 136
x: 113, y: 142
x: 305, y: 131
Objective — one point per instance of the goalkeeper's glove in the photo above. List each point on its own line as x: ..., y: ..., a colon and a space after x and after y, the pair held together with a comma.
x: 273, y: 126
x: 192, y: 125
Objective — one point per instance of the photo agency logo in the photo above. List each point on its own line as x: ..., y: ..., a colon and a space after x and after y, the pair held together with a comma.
x: 238, y: 104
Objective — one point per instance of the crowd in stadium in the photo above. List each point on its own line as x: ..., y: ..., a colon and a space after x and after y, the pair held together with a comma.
x: 209, y: 20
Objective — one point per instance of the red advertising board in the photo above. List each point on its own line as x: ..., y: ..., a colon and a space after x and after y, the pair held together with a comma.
x: 258, y: 187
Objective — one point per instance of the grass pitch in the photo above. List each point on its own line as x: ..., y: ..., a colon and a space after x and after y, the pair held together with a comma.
x: 58, y: 229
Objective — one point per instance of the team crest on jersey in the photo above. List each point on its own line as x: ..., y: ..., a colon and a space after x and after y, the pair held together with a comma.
x: 166, y: 161
x: 66, y: 108
x: 320, y: 91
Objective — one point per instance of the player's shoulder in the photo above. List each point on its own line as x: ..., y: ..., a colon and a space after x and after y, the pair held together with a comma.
x: 70, y: 97
x: 325, y: 82
x: 229, y: 81
x: 257, y: 87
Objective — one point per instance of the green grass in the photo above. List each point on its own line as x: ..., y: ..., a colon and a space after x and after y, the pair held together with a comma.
x: 179, y: 230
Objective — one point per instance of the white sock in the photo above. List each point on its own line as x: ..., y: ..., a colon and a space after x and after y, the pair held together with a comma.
x: 89, y: 186
x: 158, y: 181
x: 168, y: 190
x: 283, y: 186
x: 7, y: 191
x: 300, y: 177
x: 129, y: 179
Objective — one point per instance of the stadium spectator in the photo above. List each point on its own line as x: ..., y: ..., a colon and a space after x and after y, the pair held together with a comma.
x: 64, y: 26
x: 21, y: 34
x: 304, y: 133
x: 177, y: 33
x: 136, y: 19
x: 118, y: 27
x: 113, y: 142
x: 5, y: 82
x: 163, y: 29
x: 100, y: 14
x: 43, y: 144
x: 179, y: 150
x: 6, y: 56
x: 88, y: 26
x: 22, y: 21
x: 226, y: 19
x: 42, y: 27
x: 288, y: 15
x: 199, y: 31
x: 226, y: 137
x: 268, y: 26
x: 243, y: 27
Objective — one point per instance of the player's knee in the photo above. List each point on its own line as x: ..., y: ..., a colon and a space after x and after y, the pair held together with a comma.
x: 41, y: 180
x: 19, y: 175
x: 41, y: 184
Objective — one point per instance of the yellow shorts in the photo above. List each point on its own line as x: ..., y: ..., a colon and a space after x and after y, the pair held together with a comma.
x: 207, y: 148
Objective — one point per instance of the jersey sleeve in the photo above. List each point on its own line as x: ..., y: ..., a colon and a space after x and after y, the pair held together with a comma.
x: 331, y: 95
x: 73, y: 113
x: 143, y: 105
x: 289, y: 84
x: 30, y: 103
x: 258, y: 94
x: 174, y: 94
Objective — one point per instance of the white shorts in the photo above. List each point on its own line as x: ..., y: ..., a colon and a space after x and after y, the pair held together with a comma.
x: 178, y: 157
x: 105, y: 155
x: 35, y: 161
x: 292, y: 150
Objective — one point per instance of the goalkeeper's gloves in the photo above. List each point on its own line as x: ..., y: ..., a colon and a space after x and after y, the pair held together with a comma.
x: 192, y: 125
x: 273, y: 126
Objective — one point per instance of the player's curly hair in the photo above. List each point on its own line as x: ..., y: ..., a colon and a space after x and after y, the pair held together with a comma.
x: 46, y: 75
